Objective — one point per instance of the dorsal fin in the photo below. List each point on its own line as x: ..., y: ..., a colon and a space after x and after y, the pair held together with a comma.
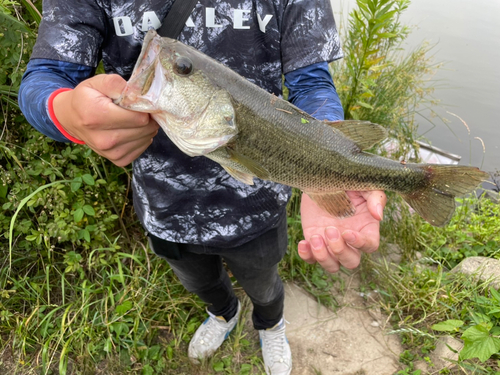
x: 364, y: 133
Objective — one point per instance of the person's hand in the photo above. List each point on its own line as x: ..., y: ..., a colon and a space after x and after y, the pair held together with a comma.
x: 332, y: 241
x: 89, y: 114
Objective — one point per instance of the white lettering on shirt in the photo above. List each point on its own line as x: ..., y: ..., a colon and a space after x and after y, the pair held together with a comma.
x: 123, y: 26
x: 189, y: 22
x: 150, y: 19
x: 210, y: 17
x: 263, y: 22
x: 241, y: 21
x: 239, y: 18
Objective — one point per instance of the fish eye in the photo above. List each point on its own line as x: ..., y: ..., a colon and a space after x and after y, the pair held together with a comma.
x: 183, y: 66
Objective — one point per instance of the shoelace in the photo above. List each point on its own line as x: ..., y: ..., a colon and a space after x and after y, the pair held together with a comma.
x: 213, y: 330
x: 275, y: 343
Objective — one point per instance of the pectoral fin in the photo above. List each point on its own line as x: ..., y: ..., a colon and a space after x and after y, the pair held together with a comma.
x: 249, y: 164
x: 239, y: 166
x: 240, y: 176
x: 364, y: 133
x: 336, y: 203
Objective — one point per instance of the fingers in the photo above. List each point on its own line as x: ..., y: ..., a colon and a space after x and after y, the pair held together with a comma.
x: 336, y: 249
x: 305, y: 252
x: 93, y: 102
x: 316, y: 251
x: 121, y: 118
x: 366, y: 241
x: 89, y: 114
x: 125, y: 150
x: 127, y: 153
x: 108, y: 139
x: 332, y: 254
x: 375, y: 201
x: 111, y: 85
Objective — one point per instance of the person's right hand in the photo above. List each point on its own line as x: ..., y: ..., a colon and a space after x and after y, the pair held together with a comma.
x: 89, y: 114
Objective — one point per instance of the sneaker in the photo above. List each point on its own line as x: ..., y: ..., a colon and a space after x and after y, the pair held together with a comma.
x: 210, y: 335
x: 276, y: 350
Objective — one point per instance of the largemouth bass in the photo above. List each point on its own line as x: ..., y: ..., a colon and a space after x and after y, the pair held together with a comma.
x: 207, y: 109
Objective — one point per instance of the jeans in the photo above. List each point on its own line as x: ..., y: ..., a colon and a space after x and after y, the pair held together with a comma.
x: 253, y: 264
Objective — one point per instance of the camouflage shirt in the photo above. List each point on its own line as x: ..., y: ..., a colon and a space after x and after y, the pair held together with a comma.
x: 179, y: 198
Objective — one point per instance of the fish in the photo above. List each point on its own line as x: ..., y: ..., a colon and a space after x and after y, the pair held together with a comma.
x: 209, y: 110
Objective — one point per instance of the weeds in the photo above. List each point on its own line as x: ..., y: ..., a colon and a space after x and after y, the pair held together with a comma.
x: 80, y: 293
x: 473, y: 231
x: 426, y: 299
x: 375, y: 80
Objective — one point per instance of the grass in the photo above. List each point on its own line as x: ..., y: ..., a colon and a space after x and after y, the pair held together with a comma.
x: 80, y: 292
x: 131, y: 316
x: 425, y: 298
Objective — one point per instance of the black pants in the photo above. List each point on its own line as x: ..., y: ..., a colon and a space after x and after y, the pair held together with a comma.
x: 253, y: 264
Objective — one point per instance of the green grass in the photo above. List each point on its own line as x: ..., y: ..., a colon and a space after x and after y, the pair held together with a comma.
x: 426, y: 299
x: 80, y: 292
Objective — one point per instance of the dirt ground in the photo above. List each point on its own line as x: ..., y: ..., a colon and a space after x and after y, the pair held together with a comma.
x: 350, y: 341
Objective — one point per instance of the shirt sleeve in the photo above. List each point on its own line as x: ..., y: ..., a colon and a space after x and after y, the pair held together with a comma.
x: 71, y: 31
x: 311, y: 88
x: 309, y: 34
x: 41, y: 79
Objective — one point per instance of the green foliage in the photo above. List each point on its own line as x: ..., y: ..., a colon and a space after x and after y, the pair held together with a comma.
x: 80, y: 293
x: 424, y: 297
x: 17, y: 37
x: 79, y: 200
x: 481, y: 328
x: 473, y: 231
x: 375, y: 80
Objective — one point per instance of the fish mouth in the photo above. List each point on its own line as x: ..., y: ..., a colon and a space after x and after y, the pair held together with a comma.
x: 142, y: 93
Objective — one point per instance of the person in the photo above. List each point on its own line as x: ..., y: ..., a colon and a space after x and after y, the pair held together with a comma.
x: 195, y: 214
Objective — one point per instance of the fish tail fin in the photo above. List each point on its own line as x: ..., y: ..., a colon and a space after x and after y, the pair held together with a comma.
x: 436, y: 202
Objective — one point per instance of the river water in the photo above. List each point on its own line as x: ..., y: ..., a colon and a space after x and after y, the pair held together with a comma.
x: 466, y: 35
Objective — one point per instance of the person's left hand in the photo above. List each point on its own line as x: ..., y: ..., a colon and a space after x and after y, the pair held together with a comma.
x: 332, y: 241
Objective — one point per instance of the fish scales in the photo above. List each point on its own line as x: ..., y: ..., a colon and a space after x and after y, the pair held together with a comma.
x: 322, y: 159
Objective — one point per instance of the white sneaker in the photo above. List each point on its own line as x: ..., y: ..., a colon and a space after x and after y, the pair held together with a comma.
x: 210, y: 335
x: 276, y: 350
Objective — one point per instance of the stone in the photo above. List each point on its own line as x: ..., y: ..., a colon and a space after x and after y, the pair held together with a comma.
x: 482, y: 269
x: 443, y: 357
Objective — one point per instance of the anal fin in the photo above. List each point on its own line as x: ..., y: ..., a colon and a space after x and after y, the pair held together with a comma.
x: 336, y: 203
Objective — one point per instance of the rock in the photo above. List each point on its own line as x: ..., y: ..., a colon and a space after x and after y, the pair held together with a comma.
x: 443, y: 357
x: 481, y: 268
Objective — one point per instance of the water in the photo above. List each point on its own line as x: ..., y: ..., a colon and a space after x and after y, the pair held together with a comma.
x: 466, y: 35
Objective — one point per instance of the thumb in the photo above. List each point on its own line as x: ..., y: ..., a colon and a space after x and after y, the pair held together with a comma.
x: 375, y: 201
x: 110, y: 85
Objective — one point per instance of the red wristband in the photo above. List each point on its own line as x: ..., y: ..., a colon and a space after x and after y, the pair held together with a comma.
x: 52, y: 115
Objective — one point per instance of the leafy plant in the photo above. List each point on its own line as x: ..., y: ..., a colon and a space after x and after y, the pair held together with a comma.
x: 473, y: 231
x: 481, y: 331
x: 376, y: 81
x: 17, y: 37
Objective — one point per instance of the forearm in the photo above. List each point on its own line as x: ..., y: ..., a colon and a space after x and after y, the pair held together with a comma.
x: 41, y: 79
x: 311, y: 88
